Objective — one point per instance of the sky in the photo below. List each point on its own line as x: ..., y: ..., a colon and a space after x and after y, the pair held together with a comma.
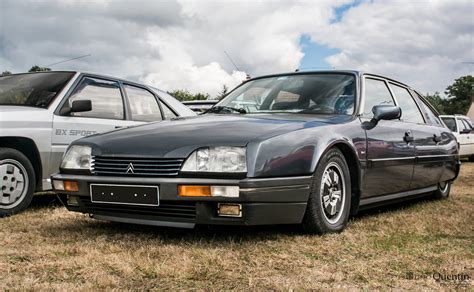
x: 181, y: 44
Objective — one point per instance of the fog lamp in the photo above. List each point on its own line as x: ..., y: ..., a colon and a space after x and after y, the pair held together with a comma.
x: 229, y: 210
x: 72, y: 201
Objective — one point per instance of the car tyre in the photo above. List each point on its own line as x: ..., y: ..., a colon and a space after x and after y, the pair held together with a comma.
x: 330, y: 195
x: 17, y: 181
x: 443, y: 191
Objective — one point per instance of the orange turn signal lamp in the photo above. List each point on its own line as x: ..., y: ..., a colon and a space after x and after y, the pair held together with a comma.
x: 208, y: 191
x: 194, y: 191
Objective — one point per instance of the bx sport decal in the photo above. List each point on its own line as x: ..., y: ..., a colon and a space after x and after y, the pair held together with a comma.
x: 66, y: 132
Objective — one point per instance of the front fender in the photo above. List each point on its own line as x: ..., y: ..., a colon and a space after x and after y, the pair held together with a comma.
x: 298, y: 152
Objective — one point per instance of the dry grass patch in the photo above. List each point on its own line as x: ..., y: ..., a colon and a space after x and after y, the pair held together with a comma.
x: 48, y: 247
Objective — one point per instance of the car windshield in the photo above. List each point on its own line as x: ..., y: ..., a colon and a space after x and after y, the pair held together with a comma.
x: 32, y: 89
x: 322, y: 93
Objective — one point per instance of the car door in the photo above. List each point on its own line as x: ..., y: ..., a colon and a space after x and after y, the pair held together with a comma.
x: 462, y: 137
x: 468, y: 135
x: 390, y: 149
x: 448, y: 143
x: 429, y: 162
x: 108, y: 113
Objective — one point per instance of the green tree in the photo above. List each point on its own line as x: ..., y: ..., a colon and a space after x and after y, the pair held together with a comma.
x: 184, y: 95
x: 5, y: 73
x: 36, y: 68
x: 437, y: 101
x: 460, y: 95
x: 223, y: 92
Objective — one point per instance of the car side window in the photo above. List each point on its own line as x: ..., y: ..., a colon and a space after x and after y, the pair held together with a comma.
x: 143, y: 104
x: 410, y: 111
x: 430, y: 115
x: 167, y: 112
x: 376, y: 93
x: 105, y: 96
x: 450, y: 123
x: 467, y: 125
x: 461, y: 125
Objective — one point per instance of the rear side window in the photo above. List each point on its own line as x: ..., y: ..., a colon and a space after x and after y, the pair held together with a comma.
x: 430, y: 115
x: 143, y: 104
x: 376, y: 93
x: 105, y: 96
x: 450, y: 123
x: 410, y: 111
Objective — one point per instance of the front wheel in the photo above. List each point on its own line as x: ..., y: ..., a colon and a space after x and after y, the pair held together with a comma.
x: 17, y: 181
x: 443, y: 190
x: 330, y: 198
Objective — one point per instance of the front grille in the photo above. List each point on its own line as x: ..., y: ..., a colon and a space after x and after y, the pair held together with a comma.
x: 167, y: 210
x: 142, y: 167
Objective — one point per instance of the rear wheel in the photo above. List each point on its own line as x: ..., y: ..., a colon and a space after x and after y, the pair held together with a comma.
x: 17, y: 181
x: 330, y: 198
x: 443, y: 190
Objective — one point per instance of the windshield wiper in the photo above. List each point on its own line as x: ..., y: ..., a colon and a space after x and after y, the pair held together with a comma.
x: 220, y: 108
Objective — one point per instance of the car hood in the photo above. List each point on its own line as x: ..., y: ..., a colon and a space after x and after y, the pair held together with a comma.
x: 13, y: 113
x: 6, y: 109
x: 179, y: 137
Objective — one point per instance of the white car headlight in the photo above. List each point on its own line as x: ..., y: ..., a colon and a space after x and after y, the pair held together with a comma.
x: 77, y: 157
x: 217, y: 159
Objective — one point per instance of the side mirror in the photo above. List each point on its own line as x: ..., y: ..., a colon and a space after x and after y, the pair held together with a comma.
x: 465, y: 131
x: 386, y: 112
x: 76, y: 107
x: 81, y: 106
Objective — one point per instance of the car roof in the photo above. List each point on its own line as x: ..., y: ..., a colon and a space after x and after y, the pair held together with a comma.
x: 455, y: 115
x: 204, y: 101
x: 99, y: 75
x: 332, y: 71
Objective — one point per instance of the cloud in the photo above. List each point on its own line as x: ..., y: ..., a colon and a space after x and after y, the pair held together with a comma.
x: 423, y: 43
x: 181, y: 44
x: 261, y: 37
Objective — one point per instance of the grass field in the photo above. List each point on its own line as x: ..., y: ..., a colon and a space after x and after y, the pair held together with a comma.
x: 420, y: 244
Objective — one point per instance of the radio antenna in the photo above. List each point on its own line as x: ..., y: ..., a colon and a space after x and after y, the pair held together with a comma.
x: 67, y: 60
x: 232, y: 61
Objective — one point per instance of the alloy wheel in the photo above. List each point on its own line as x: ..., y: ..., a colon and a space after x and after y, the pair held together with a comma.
x: 332, y: 192
x: 13, y: 182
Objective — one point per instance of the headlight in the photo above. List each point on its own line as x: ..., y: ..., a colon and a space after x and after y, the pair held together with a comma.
x: 77, y: 157
x: 217, y: 159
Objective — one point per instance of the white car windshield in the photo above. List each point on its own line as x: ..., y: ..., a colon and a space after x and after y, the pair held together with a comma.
x: 32, y: 89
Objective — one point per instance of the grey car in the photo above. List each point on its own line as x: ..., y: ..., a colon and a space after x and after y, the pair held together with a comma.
x: 42, y: 113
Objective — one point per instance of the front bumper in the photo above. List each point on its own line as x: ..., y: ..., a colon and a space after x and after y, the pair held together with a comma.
x: 264, y: 201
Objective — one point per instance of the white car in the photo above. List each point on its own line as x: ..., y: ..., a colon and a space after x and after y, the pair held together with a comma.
x: 461, y: 126
x: 42, y: 113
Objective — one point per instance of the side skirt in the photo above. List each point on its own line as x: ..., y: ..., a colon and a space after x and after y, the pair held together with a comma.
x: 392, y: 198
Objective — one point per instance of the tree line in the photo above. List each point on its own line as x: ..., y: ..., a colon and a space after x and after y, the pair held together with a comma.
x: 459, y: 97
x: 457, y: 100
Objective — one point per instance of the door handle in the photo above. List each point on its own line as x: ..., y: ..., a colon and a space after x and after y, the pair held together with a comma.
x: 118, y: 127
x: 436, y: 138
x: 408, y: 137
